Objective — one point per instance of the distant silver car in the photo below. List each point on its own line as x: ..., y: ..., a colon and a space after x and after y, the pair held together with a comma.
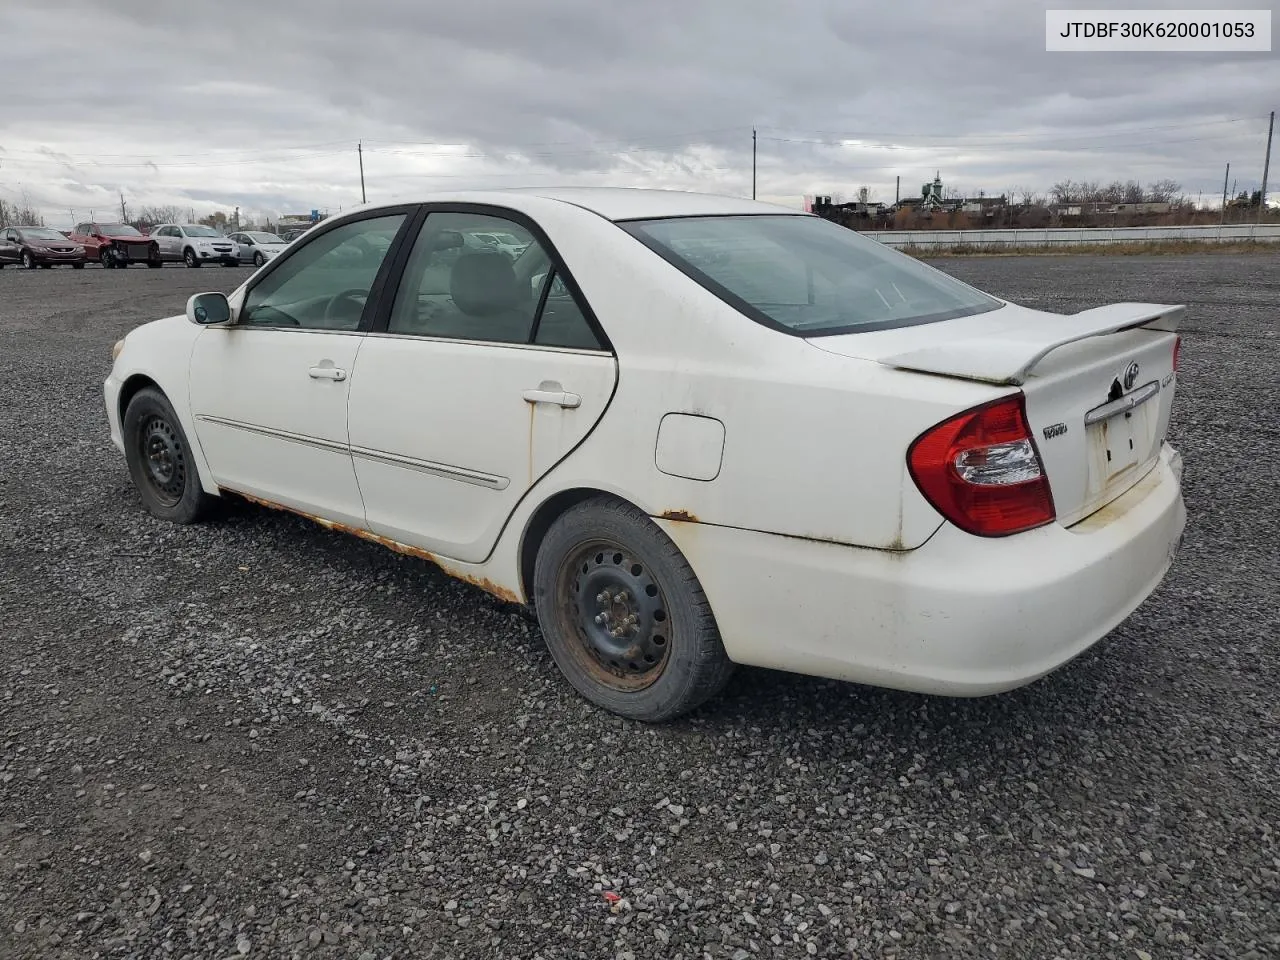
x: 257, y: 247
x: 195, y: 245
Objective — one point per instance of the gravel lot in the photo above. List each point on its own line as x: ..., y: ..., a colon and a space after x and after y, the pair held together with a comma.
x: 254, y: 737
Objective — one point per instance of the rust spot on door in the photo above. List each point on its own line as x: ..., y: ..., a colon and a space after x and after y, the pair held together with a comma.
x: 682, y: 516
x: 488, y: 586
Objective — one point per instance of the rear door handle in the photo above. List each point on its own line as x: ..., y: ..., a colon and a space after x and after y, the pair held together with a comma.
x: 558, y: 397
x: 329, y: 372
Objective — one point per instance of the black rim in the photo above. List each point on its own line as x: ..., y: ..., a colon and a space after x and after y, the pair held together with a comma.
x: 614, y: 607
x: 163, y: 459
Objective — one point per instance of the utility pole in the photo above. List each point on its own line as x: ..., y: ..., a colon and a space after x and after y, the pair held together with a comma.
x: 1224, y: 194
x: 360, y: 153
x: 897, y: 191
x: 1266, y: 168
x: 753, y: 163
x: 124, y: 217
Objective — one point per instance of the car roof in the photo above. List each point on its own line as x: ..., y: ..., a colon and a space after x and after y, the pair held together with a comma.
x: 619, y: 203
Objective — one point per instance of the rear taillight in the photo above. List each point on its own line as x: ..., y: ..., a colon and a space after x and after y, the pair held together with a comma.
x: 981, y: 470
x: 1177, y: 349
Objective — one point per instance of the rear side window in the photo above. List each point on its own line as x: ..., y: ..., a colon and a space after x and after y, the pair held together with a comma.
x: 806, y: 276
x: 460, y: 283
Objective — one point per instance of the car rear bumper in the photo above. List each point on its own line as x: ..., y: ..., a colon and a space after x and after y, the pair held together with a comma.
x: 960, y: 615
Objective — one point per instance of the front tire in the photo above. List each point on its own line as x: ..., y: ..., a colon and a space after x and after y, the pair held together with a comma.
x: 160, y: 460
x: 259, y: 259
x: 105, y: 258
x: 623, y: 613
x: 190, y: 258
x: 28, y: 260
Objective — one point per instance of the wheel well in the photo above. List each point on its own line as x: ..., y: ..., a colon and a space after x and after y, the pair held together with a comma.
x: 130, y: 389
x: 541, y: 522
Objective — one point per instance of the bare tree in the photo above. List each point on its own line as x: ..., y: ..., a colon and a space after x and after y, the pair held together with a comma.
x: 1164, y: 191
x: 1133, y: 192
x: 1113, y: 192
x: 168, y: 213
x: 1065, y: 191
x: 21, y: 214
x: 1090, y: 191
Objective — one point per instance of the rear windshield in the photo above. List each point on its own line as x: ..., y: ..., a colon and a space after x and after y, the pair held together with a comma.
x: 807, y: 276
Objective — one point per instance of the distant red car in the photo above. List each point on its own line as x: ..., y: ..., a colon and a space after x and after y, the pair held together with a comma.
x: 116, y: 244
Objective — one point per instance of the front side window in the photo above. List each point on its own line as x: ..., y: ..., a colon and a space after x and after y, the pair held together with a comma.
x: 325, y: 283
x: 807, y: 276
x: 461, y: 285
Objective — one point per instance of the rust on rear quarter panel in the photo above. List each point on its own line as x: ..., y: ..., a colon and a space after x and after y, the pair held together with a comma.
x: 488, y: 586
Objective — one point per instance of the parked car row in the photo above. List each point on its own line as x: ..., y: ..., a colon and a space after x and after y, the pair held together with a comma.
x: 121, y: 245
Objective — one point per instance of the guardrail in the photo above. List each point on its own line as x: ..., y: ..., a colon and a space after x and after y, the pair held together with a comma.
x: 1075, y: 236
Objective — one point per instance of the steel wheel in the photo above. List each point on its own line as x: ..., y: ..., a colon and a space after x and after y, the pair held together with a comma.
x: 163, y: 454
x: 617, y: 611
x: 623, y: 613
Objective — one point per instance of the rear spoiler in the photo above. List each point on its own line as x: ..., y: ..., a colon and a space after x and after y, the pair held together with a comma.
x: 1007, y: 355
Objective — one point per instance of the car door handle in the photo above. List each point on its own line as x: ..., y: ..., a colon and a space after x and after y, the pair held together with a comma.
x: 329, y: 372
x: 548, y: 394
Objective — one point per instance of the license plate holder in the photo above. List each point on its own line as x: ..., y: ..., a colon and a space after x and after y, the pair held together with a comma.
x: 1118, y: 442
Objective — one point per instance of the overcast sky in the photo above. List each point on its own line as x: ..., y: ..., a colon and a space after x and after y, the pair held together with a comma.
x: 188, y: 104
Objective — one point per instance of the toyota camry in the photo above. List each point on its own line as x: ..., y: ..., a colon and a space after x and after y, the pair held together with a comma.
x: 690, y: 431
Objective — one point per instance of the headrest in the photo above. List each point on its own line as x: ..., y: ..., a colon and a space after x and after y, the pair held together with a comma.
x: 482, y: 284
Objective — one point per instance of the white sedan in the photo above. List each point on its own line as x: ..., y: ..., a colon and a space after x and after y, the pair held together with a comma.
x: 691, y: 431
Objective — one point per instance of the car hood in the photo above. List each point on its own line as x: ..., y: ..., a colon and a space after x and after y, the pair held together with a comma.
x: 43, y: 244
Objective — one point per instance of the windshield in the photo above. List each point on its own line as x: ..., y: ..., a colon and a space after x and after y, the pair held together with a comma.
x: 117, y: 230
x: 198, y: 231
x: 264, y: 238
x: 807, y: 276
x: 41, y: 233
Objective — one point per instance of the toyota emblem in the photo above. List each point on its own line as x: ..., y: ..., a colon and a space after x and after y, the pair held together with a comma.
x: 1130, y: 375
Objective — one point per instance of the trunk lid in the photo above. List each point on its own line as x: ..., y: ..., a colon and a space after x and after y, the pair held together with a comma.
x: 1099, y: 384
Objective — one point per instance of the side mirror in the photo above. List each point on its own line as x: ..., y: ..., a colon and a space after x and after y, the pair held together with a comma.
x: 208, y: 308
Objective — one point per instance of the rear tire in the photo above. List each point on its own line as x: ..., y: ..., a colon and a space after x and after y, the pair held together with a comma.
x: 160, y: 460
x: 623, y: 613
x: 190, y: 258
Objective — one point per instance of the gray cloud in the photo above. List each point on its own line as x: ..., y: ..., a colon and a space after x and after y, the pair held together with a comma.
x: 187, y: 104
